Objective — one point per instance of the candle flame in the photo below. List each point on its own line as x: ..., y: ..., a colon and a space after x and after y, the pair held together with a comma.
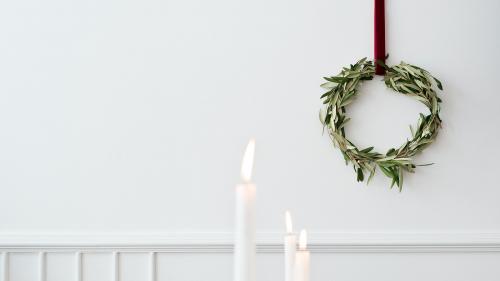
x: 247, y: 163
x: 288, y: 222
x: 303, y: 239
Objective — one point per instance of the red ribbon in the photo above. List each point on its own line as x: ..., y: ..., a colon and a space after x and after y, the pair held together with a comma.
x: 379, y: 36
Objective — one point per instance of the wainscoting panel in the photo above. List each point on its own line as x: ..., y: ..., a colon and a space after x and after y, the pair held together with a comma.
x: 206, y: 257
x: 191, y: 266
x: 61, y: 266
x: 136, y: 266
x: 23, y: 266
x: 218, y: 267
x: 97, y: 266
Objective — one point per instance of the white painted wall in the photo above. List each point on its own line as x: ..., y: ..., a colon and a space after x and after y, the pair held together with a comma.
x: 132, y: 116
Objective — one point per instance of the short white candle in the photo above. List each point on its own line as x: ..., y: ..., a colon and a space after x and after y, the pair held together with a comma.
x: 302, y: 259
x: 290, y: 247
x: 244, y: 244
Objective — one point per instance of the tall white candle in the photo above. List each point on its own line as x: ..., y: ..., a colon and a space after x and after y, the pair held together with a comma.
x: 290, y: 247
x: 244, y: 244
x: 302, y: 259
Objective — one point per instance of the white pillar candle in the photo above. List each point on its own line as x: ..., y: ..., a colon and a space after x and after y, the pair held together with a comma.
x: 290, y: 247
x: 244, y: 244
x: 302, y: 259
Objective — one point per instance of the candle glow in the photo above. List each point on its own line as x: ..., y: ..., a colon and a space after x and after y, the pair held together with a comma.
x: 303, y: 239
x: 247, y: 163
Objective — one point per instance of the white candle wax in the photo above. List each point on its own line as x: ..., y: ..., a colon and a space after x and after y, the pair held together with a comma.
x: 244, y: 250
x: 302, y: 260
x: 290, y: 248
x: 244, y: 244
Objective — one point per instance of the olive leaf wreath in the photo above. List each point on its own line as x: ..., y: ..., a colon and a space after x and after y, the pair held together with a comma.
x: 403, y: 78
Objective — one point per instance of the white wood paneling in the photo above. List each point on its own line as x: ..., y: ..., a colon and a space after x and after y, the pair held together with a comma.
x: 97, y: 266
x: 201, y: 266
x: 60, y: 266
x: 457, y: 266
x: 4, y: 267
x: 23, y: 266
x: 78, y: 266
x: 193, y: 256
x: 135, y: 266
x: 116, y: 266
x: 221, y: 242
x: 42, y: 266
x: 152, y: 266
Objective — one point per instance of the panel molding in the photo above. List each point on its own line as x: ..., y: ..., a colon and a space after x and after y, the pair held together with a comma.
x: 267, y: 242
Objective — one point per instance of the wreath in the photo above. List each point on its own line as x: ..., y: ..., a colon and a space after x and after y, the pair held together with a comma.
x: 403, y: 78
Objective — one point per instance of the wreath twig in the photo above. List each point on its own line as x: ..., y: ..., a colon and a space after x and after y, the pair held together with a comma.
x: 403, y: 78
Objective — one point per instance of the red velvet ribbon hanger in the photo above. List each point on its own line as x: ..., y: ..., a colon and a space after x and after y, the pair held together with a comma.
x: 379, y: 36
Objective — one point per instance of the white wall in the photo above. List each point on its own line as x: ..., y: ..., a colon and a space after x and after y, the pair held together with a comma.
x: 125, y: 116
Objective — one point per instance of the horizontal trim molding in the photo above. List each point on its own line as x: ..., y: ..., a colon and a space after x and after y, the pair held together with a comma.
x: 222, y: 242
